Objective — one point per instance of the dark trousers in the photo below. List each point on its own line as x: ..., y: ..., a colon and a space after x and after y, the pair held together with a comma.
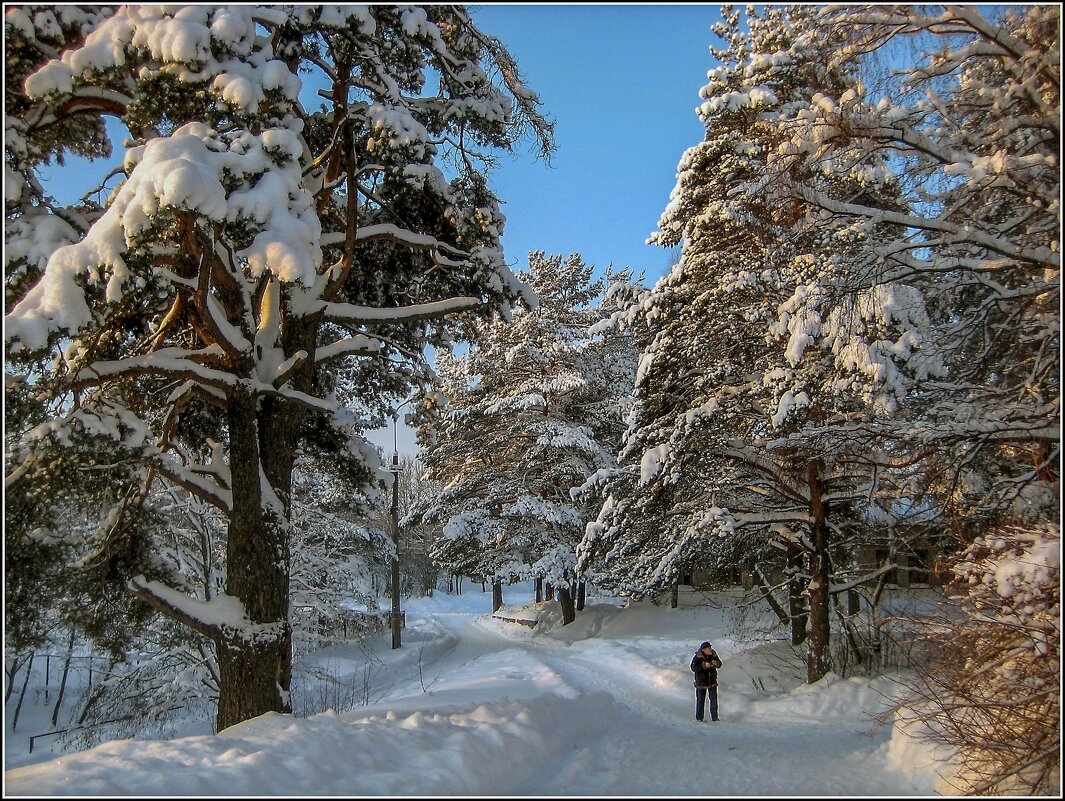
x: 700, y: 701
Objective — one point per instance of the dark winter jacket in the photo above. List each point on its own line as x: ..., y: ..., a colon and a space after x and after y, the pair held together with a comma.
x: 705, y: 676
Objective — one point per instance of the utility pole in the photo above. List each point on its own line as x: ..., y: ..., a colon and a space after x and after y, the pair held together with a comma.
x: 395, y: 614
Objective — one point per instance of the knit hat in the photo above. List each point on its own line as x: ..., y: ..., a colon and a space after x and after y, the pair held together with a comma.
x: 705, y: 645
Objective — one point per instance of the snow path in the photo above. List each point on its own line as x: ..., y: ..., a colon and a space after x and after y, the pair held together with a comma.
x: 472, y: 705
x: 650, y: 743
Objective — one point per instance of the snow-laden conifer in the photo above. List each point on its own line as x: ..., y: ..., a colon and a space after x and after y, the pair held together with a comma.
x: 757, y: 349
x: 529, y: 413
x: 971, y: 121
x: 972, y: 129
x: 258, y: 236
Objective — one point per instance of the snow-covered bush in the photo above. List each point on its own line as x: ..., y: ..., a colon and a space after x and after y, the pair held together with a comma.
x: 991, y: 690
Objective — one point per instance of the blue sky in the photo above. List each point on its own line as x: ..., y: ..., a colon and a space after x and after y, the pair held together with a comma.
x: 622, y: 83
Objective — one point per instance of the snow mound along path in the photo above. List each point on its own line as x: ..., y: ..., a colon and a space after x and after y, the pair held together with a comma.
x: 831, y: 697
x: 439, y: 748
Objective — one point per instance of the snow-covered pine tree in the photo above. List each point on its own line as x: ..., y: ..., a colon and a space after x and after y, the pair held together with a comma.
x: 529, y: 410
x: 973, y: 133
x: 972, y: 126
x: 726, y: 461
x: 253, y: 245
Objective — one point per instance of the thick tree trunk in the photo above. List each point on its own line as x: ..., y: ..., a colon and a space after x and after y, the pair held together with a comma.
x: 549, y: 592
x: 581, y: 591
x: 566, y: 600
x: 796, y: 597
x: 539, y: 584
x: 818, y: 626
x: 254, y: 677
x: 279, y: 437
x: 497, y: 595
x: 674, y: 595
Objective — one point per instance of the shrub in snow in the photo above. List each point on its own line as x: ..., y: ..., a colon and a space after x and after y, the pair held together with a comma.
x: 992, y: 690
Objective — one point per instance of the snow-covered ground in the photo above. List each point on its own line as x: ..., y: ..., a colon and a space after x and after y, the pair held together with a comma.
x: 471, y: 705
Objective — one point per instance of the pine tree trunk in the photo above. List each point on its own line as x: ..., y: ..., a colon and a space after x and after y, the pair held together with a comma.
x: 549, y: 592
x: 539, y: 583
x: 22, y: 695
x: 566, y: 600
x: 497, y: 595
x: 817, y: 662
x: 796, y: 597
x: 674, y: 595
x: 581, y: 591
x: 16, y: 665
x: 254, y: 678
x: 279, y: 437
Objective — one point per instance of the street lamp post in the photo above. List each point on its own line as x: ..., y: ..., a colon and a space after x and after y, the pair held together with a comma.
x: 395, y: 613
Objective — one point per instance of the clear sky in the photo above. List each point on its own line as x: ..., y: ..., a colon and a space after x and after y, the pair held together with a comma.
x: 622, y: 83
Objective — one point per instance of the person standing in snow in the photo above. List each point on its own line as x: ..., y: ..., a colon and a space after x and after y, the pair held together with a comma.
x: 704, y: 665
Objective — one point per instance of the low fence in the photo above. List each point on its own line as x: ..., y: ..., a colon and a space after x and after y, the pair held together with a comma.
x: 58, y: 669
x: 348, y: 624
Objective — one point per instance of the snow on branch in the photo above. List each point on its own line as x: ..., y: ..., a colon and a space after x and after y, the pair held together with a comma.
x: 388, y: 232
x: 223, y: 617
x: 352, y: 314
x: 358, y: 345
x: 960, y: 233
x: 169, y: 362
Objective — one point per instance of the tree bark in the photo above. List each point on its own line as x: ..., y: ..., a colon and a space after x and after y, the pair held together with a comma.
x: 581, y: 591
x: 280, y: 422
x: 796, y: 597
x: 539, y: 583
x: 818, y: 625
x: 63, y: 681
x: 254, y: 677
x: 16, y: 665
x: 497, y: 594
x: 674, y: 595
x: 549, y: 592
x: 22, y: 695
x: 566, y: 600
